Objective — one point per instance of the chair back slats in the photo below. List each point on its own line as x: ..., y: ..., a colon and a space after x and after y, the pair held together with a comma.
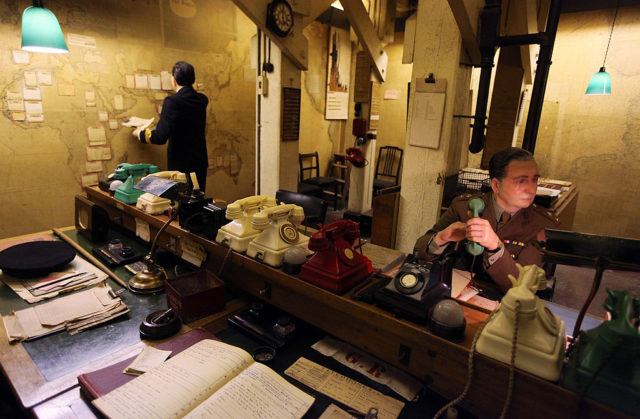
x: 308, y: 171
x: 389, y: 162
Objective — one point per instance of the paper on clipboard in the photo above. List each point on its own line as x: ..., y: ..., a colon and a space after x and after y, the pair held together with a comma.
x: 428, y: 111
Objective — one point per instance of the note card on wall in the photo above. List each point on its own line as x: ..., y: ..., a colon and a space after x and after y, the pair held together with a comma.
x: 428, y: 111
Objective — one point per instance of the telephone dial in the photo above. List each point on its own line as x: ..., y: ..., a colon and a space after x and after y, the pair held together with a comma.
x: 541, y: 336
x: 239, y: 232
x: 336, y: 266
x: 278, y: 226
x: 417, y: 287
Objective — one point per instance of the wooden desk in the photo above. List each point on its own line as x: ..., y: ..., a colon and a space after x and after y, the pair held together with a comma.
x: 114, y: 341
x: 440, y: 364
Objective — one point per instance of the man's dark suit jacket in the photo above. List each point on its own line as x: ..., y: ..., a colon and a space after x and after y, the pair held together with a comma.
x: 182, y: 123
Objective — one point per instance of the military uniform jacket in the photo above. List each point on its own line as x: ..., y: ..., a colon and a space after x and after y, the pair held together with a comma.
x: 182, y: 123
x: 517, y: 234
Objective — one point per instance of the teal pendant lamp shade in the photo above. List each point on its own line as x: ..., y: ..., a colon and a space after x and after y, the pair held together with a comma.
x: 600, y: 83
x: 41, y: 31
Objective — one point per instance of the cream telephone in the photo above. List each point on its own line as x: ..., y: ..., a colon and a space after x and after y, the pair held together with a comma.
x: 279, y: 227
x: 239, y: 232
x: 153, y: 204
x: 541, y: 336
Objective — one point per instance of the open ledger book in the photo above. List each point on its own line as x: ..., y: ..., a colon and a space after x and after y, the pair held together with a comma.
x: 210, y: 379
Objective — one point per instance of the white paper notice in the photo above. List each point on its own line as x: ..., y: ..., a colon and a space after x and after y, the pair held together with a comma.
x: 118, y: 102
x: 90, y: 98
x: 90, y: 179
x: 97, y: 135
x: 15, y: 105
x: 94, y: 166
x: 129, y: 81
x: 103, y: 116
x: 31, y: 93
x: 45, y: 77
x: 155, y: 82
x: 98, y: 153
x: 66, y: 89
x: 142, y: 81
x: 142, y: 230
x: 14, y: 94
x: 30, y: 78
x: 20, y: 57
x: 18, y: 116
x: 166, y: 80
x: 35, y: 117
x: 113, y: 123
x: 81, y: 40
x: 33, y: 106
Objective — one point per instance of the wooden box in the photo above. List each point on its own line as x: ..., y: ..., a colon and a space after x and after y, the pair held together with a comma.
x: 195, y: 295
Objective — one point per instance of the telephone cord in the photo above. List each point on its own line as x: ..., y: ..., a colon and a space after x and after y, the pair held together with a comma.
x: 512, y: 363
x: 472, y: 352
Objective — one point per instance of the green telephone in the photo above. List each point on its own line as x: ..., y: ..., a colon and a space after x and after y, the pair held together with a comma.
x: 132, y: 173
x: 541, y: 338
x: 603, y: 363
x: 239, y: 232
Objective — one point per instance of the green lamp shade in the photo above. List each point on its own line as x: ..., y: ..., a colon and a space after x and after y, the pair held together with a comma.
x: 600, y: 83
x: 41, y: 31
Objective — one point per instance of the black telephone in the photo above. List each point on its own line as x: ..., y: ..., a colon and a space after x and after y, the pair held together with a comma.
x: 417, y: 287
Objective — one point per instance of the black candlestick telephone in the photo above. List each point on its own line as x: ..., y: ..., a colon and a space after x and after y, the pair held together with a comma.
x: 417, y: 287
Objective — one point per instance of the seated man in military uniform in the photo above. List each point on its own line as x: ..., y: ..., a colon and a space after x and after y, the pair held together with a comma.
x: 508, y: 225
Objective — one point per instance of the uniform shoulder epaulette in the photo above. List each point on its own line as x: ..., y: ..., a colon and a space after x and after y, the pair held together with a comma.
x: 545, y: 213
x: 466, y: 196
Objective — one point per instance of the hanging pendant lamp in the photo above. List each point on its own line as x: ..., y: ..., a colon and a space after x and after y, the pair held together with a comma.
x: 600, y: 83
x: 41, y: 31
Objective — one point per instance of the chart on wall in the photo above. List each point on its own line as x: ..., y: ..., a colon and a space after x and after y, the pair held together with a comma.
x: 338, y: 72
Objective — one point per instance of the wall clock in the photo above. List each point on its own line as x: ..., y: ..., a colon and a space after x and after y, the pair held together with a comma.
x: 279, y: 17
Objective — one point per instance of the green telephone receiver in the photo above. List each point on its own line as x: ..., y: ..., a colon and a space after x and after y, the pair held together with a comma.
x: 476, y: 205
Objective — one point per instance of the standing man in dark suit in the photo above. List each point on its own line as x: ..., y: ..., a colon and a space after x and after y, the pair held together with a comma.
x: 508, y: 225
x: 182, y: 122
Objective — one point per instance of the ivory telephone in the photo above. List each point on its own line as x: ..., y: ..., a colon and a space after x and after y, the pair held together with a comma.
x: 153, y: 204
x: 239, y: 232
x: 541, y: 337
x: 278, y: 227
x: 336, y: 265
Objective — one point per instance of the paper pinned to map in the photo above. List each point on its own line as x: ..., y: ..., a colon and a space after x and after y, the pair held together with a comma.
x: 137, y: 122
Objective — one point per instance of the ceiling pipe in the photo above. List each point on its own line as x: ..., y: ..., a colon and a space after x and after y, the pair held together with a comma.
x: 489, y: 31
x: 540, y: 81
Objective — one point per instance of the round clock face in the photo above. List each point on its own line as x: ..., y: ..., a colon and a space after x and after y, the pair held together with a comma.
x: 280, y: 17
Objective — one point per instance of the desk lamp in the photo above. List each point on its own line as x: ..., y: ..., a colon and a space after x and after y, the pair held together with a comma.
x: 151, y: 278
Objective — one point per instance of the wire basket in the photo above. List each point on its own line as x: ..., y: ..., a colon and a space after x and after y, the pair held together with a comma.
x: 473, y: 180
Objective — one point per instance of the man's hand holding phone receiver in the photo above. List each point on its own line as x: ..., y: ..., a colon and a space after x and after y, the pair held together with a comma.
x: 479, y: 230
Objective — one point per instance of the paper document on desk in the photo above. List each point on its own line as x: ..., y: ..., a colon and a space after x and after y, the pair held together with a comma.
x: 372, y: 368
x: 74, y: 313
x: 78, y: 274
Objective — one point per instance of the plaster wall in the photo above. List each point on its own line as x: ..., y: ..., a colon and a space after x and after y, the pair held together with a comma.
x: 437, y: 51
x: 43, y: 162
x: 594, y: 141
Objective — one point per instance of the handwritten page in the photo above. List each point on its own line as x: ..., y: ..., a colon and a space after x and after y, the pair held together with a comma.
x: 343, y: 389
x: 97, y: 135
x: 255, y: 392
x: 177, y: 386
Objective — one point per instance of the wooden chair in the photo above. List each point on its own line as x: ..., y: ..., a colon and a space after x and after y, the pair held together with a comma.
x: 388, y: 167
x: 310, y: 175
x: 315, y: 209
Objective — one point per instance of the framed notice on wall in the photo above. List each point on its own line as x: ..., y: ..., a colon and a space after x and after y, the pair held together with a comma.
x: 338, y: 71
x: 290, y: 114
x: 428, y: 110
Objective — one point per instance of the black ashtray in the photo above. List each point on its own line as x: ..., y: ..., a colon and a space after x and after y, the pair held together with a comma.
x: 264, y: 354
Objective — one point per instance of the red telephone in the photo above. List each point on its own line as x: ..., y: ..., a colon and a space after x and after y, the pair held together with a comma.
x: 336, y: 266
x: 355, y: 156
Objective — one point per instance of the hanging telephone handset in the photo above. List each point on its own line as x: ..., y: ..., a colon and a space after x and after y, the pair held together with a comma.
x: 417, y: 286
x: 540, y: 335
x: 336, y: 266
x: 476, y: 206
x: 278, y: 226
x: 603, y: 363
x: 239, y: 232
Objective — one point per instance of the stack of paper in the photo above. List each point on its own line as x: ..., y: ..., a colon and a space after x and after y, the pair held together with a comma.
x: 75, y: 313
x: 78, y: 274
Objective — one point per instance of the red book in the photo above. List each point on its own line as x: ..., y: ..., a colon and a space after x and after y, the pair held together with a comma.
x: 100, y: 382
